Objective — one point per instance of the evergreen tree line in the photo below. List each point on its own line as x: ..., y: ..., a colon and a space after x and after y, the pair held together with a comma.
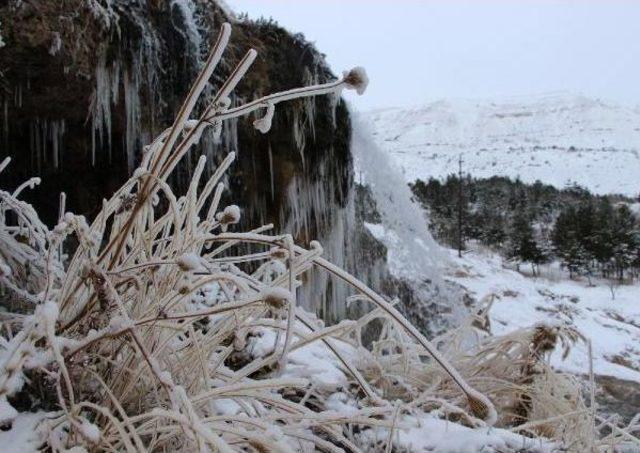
x: 536, y: 223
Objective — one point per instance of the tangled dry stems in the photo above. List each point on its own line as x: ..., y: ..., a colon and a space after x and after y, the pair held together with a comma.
x: 148, y: 327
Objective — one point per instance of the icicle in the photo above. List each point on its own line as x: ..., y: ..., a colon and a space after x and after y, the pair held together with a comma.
x: 311, y: 78
x: 5, y: 125
x: 17, y: 99
x: 192, y: 34
x: 271, y: 172
x: 56, y: 133
x: 132, y: 110
x: 230, y: 134
x: 100, y: 109
x: 56, y: 44
x: 2, y: 43
x: 298, y: 134
x: 334, y: 99
x: 45, y: 136
x: 36, y: 137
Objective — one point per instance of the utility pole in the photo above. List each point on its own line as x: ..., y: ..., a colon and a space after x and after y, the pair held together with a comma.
x: 460, y: 206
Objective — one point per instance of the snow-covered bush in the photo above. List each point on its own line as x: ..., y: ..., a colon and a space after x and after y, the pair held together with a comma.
x: 158, y: 333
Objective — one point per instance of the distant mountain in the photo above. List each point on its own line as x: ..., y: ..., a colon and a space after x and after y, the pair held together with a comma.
x: 557, y: 138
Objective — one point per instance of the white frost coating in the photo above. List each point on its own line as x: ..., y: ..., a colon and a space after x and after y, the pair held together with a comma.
x: 188, y: 9
x: 316, y: 246
x: 189, y: 262
x: 56, y: 44
x: 90, y: 431
x: 276, y: 296
x: 48, y: 312
x: 264, y: 124
x: 230, y: 215
x: 7, y: 412
x: 165, y: 378
x: 120, y: 323
x: 189, y: 125
x: 4, y: 163
x: 5, y: 270
x: 357, y: 79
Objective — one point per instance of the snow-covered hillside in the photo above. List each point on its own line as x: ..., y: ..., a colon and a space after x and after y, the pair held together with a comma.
x: 610, y: 322
x: 556, y: 138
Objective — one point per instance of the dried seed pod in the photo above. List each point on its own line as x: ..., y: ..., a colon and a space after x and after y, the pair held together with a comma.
x: 189, y: 262
x: 277, y: 297
x: 278, y: 253
x: 356, y: 79
x: 229, y: 216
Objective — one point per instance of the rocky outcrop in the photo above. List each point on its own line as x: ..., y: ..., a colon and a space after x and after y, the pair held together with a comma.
x: 617, y: 396
x: 85, y: 84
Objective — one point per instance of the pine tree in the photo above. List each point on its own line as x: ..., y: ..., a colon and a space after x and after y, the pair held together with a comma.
x: 522, y: 245
x: 567, y: 242
x: 623, y: 238
x: 603, y: 242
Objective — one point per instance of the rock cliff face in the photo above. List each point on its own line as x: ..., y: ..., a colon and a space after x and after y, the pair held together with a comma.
x: 85, y: 84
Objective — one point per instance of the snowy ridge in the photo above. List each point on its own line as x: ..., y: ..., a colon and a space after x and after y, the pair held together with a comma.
x: 557, y: 138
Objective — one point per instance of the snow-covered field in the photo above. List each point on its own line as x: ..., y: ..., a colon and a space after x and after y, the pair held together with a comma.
x: 612, y: 325
x: 556, y: 138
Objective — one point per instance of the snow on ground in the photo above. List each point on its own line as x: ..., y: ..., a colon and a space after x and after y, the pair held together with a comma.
x: 613, y: 326
x: 427, y: 433
x: 23, y: 437
x: 555, y: 138
x: 417, y: 432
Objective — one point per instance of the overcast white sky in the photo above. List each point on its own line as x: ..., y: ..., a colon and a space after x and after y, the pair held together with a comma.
x: 416, y: 51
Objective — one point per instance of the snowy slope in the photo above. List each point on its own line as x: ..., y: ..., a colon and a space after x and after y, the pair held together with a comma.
x: 521, y: 301
x: 612, y: 325
x: 556, y: 138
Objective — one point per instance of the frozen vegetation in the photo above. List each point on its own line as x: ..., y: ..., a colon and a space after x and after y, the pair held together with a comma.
x: 158, y: 326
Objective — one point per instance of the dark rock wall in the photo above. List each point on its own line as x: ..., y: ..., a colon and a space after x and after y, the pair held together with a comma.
x: 83, y: 88
x: 84, y: 84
